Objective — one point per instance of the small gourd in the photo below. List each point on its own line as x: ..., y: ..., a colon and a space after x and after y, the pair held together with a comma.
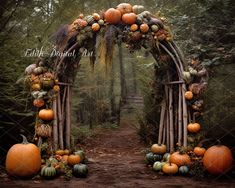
x: 154, y: 28
x: 137, y: 9
x: 80, y: 170
x: 183, y: 170
x: 48, y: 172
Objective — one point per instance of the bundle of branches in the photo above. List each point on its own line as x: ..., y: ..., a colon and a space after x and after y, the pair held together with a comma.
x: 137, y: 27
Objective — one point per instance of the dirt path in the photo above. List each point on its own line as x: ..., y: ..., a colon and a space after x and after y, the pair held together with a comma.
x: 116, y: 160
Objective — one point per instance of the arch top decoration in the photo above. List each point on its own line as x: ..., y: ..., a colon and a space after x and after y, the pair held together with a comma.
x: 178, y: 86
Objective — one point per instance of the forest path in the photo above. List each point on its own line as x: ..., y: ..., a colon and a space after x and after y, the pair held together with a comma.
x: 116, y: 159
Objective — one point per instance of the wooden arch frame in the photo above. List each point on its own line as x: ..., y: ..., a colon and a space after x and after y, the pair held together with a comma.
x: 175, y: 111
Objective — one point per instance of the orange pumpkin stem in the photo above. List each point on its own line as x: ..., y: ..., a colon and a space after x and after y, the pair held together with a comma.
x: 218, y: 142
x: 25, y: 141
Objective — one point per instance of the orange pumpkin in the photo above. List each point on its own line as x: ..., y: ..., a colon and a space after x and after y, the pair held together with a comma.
x: 65, y: 158
x: 180, y: 159
x: 158, y: 148
x: 36, y: 87
x: 46, y: 114
x: 81, y: 16
x: 38, y: 102
x: 58, y: 157
x: 194, y: 127
x: 188, y: 95
x: 218, y: 159
x: 73, y: 159
x: 199, y: 151
x: 34, y: 79
x: 23, y: 159
x: 170, y: 168
x: 112, y: 16
x: 124, y: 8
x: 144, y: 28
x: 96, y: 16
x: 80, y: 22
x: 59, y: 152
x: 56, y: 88
x: 134, y: 27
x: 129, y: 18
x: 95, y: 27
x: 66, y: 152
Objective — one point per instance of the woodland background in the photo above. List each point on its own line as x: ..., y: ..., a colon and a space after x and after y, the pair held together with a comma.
x: 203, y: 29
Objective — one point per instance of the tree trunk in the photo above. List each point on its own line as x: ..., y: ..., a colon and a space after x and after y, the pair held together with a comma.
x: 111, y: 92
x: 122, y: 73
x: 134, y: 77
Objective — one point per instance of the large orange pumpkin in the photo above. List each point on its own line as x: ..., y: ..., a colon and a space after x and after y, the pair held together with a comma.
x: 73, y: 159
x: 129, y: 18
x: 218, y: 159
x: 180, y: 159
x: 46, y: 114
x: 112, y: 16
x: 23, y: 159
x: 124, y: 8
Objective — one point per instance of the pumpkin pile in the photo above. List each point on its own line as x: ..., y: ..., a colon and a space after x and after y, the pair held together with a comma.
x: 216, y: 160
x: 161, y: 161
x: 196, y: 79
x: 136, y: 22
x: 64, y: 163
x: 44, y: 88
x: 24, y: 160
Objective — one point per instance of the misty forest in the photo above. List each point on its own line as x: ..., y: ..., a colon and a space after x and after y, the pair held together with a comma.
x: 117, y: 93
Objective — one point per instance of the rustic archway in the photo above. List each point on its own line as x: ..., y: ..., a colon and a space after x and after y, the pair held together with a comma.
x: 52, y: 77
